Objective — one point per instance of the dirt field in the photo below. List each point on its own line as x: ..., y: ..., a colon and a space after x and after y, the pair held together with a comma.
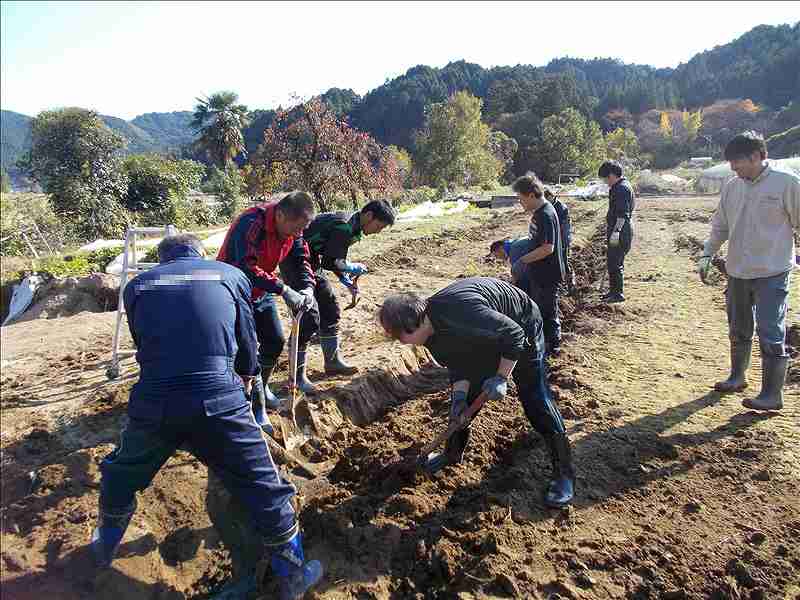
x: 681, y: 492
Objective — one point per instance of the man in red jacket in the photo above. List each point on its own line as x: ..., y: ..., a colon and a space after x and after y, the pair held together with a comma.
x: 257, y: 241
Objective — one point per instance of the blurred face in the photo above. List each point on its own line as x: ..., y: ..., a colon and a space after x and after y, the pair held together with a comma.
x: 415, y: 338
x: 372, y: 225
x: 526, y: 201
x: 747, y: 168
x: 288, y: 227
x: 499, y: 253
x: 611, y: 179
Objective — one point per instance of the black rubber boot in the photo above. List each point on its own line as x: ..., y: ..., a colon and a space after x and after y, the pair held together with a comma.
x: 271, y: 401
x: 561, y: 488
x: 334, y: 365
x: 108, y: 534
x: 773, y: 376
x: 740, y: 362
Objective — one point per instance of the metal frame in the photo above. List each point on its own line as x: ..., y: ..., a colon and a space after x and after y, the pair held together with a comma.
x: 130, y: 266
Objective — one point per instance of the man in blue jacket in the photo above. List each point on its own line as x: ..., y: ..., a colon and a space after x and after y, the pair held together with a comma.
x: 192, y: 323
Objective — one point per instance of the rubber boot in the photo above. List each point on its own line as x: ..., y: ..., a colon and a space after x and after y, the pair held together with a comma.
x: 257, y: 403
x: 740, y: 362
x: 303, y: 383
x: 271, y: 401
x: 334, y: 365
x: 773, y: 376
x: 295, y: 576
x: 561, y: 489
x: 108, y: 534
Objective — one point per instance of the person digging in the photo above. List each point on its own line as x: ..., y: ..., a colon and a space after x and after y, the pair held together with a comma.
x: 510, y: 251
x: 259, y: 240
x: 328, y: 238
x: 485, y: 330
x: 757, y: 213
x: 192, y: 323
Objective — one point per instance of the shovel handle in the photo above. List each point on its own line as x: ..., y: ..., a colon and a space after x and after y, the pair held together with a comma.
x: 458, y: 423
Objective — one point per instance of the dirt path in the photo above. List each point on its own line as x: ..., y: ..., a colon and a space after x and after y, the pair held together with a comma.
x: 682, y: 493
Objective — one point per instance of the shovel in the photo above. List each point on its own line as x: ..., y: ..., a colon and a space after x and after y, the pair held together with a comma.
x: 293, y: 436
x: 354, y: 292
x: 456, y: 424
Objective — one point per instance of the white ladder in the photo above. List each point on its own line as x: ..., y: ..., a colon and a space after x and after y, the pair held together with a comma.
x: 130, y: 266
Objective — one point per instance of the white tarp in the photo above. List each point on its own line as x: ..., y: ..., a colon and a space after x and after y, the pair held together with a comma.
x: 215, y: 241
x: 595, y: 189
x: 431, y: 209
x: 715, y: 177
x: 661, y: 182
x: 22, y: 297
x: 100, y: 244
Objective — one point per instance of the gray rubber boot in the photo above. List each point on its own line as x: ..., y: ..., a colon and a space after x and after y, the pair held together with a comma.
x: 740, y: 362
x: 334, y: 365
x: 303, y: 383
x: 773, y: 376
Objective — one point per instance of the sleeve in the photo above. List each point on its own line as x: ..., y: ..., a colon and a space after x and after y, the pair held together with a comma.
x: 129, y: 302
x: 246, y: 362
x: 242, y: 252
x: 336, y: 247
x: 791, y: 202
x: 719, y: 228
x: 566, y: 225
x: 548, y: 228
x: 622, y: 201
x: 299, y: 263
x: 478, y: 321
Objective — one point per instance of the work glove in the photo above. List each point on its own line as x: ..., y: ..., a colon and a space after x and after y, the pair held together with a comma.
x: 614, y: 239
x: 297, y: 301
x: 264, y: 302
x: 703, y: 267
x: 495, y: 387
x: 518, y: 270
x: 355, y: 268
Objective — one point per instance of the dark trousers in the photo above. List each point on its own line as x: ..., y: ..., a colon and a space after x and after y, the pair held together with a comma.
x: 229, y: 443
x: 269, y: 330
x: 327, y: 307
x: 546, y: 298
x: 615, y: 260
x: 530, y: 376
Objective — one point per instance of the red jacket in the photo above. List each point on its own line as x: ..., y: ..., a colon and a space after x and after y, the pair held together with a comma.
x: 253, y: 245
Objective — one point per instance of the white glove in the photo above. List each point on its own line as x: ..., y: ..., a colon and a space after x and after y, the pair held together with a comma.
x: 703, y: 266
x: 297, y: 301
x: 614, y: 239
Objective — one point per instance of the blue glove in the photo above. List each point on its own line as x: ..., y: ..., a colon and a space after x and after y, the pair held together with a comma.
x: 355, y: 268
x: 264, y: 302
x: 346, y: 281
x: 495, y: 387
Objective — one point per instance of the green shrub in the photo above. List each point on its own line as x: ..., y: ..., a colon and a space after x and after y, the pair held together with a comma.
x: 76, y: 265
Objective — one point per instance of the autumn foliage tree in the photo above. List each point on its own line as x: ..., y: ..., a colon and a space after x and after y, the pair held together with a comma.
x: 322, y: 154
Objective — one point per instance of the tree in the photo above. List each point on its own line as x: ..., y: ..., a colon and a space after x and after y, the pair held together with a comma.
x: 405, y: 166
x: 5, y: 181
x: 569, y: 143
x: 665, y: 126
x: 324, y: 155
x: 158, y: 187
x: 623, y: 146
x: 227, y: 185
x: 74, y: 157
x: 692, y: 122
x: 453, y: 149
x: 220, y: 121
x: 503, y: 148
x: 260, y: 180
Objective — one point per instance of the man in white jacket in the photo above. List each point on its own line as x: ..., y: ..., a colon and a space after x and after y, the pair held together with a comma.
x: 757, y: 213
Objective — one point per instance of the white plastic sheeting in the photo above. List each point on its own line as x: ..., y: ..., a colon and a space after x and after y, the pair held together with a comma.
x: 595, y: 189
x: 715, y: 177
x: 22, y: 297
x: 431, y: 209
x: 661, y: 182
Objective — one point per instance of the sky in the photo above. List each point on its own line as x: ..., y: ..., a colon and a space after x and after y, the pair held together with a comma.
x: 128, y: 58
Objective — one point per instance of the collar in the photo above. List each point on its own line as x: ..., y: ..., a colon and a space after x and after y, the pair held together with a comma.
x: 761, y: 176
x: 355, y: 223
x: 181, y: 252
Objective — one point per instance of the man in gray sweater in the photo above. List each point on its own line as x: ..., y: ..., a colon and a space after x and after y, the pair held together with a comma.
x: 757, y: 213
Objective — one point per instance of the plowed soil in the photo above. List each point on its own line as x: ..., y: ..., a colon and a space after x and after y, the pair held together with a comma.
x: 681, y: 493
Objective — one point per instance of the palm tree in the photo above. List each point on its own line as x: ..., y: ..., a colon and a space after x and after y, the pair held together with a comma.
x: 220, y: 121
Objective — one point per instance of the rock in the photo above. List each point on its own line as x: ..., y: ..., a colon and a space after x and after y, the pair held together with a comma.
x: 693, y: 507
x: 584, y: 580
x: 757, y: 537
x: 762, y: 475
x: 674, y: 595
x: 505, y: 583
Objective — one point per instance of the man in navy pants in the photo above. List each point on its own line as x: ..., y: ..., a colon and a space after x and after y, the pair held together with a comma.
x: 192, y: 323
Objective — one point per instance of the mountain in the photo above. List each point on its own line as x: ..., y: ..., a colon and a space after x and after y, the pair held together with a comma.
x: 15, y: 138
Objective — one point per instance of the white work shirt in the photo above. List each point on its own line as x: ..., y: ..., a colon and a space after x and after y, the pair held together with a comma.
x: 756, y: 218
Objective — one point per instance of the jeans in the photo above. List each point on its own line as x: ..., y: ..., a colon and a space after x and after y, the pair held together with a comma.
x: 761, y: 302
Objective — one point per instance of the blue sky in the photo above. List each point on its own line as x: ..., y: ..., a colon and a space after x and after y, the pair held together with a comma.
x: 128, y: 58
